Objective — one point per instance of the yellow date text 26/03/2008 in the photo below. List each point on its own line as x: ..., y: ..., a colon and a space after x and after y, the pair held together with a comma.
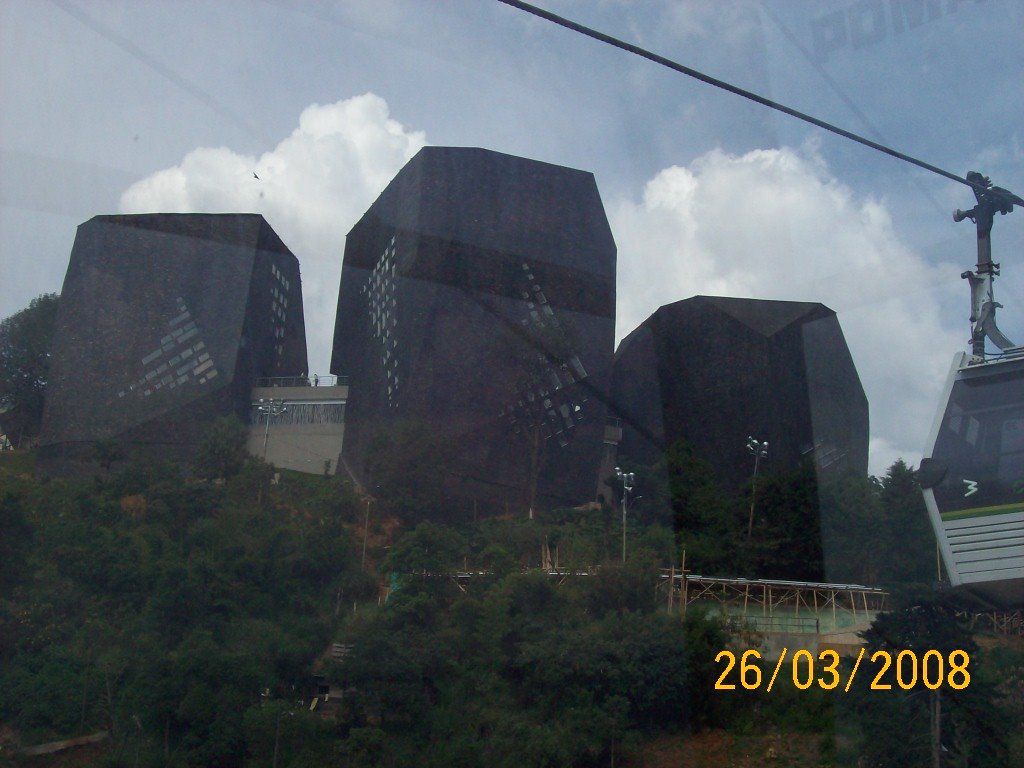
x: 904, y: 669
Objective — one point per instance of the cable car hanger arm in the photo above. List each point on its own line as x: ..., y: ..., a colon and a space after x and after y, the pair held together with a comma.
x: 990, y: 200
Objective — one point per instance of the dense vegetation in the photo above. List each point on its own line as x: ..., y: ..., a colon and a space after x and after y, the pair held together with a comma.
x: 187, y: 610
x: 25, y: 365
x: 851, y: 529
x: 157, y: 606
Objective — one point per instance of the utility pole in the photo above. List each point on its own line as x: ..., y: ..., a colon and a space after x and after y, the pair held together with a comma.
x: 277, y: 734
x: 683, y: 591
x: 936, y: 741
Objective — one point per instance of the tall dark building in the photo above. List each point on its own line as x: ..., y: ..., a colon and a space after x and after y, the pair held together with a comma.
x: 478, y: 303
x: 165, y: 323
x: 713, y: 371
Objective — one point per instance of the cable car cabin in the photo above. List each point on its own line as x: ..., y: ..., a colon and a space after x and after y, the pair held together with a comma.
x: 973, y: 477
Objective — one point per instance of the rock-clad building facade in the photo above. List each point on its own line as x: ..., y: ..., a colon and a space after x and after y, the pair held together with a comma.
x: 477, y: 302
x: 713, y: 371
x: 166, y: 321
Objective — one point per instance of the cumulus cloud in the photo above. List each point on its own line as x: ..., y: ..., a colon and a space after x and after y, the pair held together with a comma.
x: 774, y: 224
x: 731, y: 24
x: 312, y: 188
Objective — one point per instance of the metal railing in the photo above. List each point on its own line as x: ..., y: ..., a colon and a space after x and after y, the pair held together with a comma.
x: 315, y: 380
x: 800, y: 625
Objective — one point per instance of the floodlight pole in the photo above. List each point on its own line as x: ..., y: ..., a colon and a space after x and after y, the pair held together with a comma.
x: 760, y: 451
x: 366, y: 529
x: 272, y: 409
x: 628, y: 479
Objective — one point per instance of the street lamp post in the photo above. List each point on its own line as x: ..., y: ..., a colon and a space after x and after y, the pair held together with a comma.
x: 760, y: 451
x: 366, y: 529
x: 628, y: 480
x: 271, y: 409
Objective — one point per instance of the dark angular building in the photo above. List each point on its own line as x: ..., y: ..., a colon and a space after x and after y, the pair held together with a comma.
x: 478, y: 302
x: 713, y: 371
x: 165, y: 323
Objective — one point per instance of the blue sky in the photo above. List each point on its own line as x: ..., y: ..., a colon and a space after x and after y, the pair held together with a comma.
x: 131, y: 106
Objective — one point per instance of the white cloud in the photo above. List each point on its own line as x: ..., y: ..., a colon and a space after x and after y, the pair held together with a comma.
x: 729, y: 24
x: 312, y: 188
x: 774, y: 224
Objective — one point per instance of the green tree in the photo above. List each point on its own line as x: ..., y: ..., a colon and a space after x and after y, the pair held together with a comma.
x: 286, y: 732
x: 107, y: 453
x: 786, y: 541
x: 222, y: 452
x: 877, y: 531
x: 15, y: 540
x: 711, y: 524
x: 898, y: 726
x: 25, y: 362
x: 705, y: 635
x: 911, y: 541
x: 406, y: 467
x: 854, y: 534
x: 428, y: 548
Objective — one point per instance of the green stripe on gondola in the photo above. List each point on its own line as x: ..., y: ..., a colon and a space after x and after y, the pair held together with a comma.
x: 1001, y: 509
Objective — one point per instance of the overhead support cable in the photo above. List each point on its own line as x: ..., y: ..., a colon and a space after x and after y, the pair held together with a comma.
x: 698, y: 75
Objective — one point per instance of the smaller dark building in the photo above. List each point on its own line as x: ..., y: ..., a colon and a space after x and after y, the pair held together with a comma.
x: 166, y: 321
x: 713, y: 371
